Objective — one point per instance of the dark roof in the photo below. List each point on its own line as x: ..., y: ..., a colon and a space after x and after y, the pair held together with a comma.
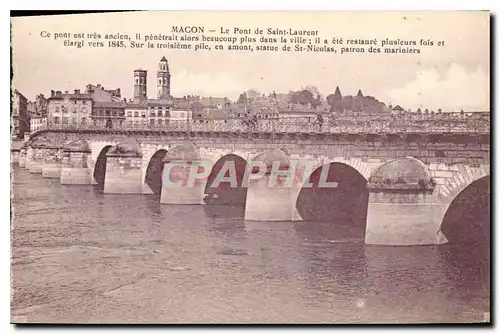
x: 99, y: 104
x: 163, y: 59
x: 71, y: 97
x: 212, y: 101
x: 398, y: 108
x: 136, y: 106
x: 159, y: 102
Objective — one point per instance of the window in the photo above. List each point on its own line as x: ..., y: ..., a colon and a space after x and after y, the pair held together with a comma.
x: 84, y: 120
x: 74, y: 110
x: 64, y: 110
x: 143, y: 114
x: 152, y: 114
x: 160, y: 122
x: 56, y: 120
x: 73, y: 121
x: 121, y: 113
x: 65, y: 120
x: 152, y: 122
x: 108, y: 112
x: 136, y: 114
x: 84, y: 102
x: 74, y: 101
x: 129, y: 114
x: 115, y: 113
x: 57, y: 109
x: 84, y: 110
x: 160, y: 113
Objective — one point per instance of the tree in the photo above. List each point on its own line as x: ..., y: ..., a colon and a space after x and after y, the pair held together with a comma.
x: 252, y: 94
x: 334, y: 99
x: 242, y: 99
x: 313, y: 89
x: 305, y: 97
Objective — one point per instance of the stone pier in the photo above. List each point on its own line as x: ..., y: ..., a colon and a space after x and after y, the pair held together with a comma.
x: 275, y: 201
x: 35, y: 162
x: 75, y: 169
x: 404, y: 219
x: 177, y: 188
x: 14, y: 156
x: 403, y: 208
x: 51, y: 167
x: 123, y: 169
x: 22, y: 157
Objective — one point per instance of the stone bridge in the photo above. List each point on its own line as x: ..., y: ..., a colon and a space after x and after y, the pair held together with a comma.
x: 401, y: 185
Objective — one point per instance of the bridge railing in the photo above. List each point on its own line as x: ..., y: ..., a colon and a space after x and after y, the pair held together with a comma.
x: 451, y: 123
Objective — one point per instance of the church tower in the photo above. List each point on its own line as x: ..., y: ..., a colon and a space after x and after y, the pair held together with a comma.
x: 163, y: 77
x: 140, y: 86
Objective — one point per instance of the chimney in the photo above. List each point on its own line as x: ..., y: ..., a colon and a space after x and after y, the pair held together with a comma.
x: 77, y: 91
x: 65, y: 92
x: 52, y: 93
x: 58, y: 93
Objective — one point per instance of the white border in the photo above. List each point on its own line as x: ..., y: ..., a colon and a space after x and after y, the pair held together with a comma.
x: 492, y: 5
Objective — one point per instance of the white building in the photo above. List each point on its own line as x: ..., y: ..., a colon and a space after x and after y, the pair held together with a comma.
x: 69, y: 109
x: 136, y: 114
x: 180, y: 114
x: 37, y: 122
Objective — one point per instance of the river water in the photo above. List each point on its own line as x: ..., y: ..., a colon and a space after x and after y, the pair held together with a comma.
x: 80, y: 256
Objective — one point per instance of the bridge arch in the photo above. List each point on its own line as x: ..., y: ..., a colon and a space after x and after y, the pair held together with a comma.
x: 340, y: 203
x: 99, y: 168
x: 154, y: 171
x: 217, y: 192
x: 467, y: 217
x: 459, y: 177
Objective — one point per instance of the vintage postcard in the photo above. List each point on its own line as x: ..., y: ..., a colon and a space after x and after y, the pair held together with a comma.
x: 251, y: 168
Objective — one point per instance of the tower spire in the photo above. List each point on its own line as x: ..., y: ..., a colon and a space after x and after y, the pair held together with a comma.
x: 163, y: 77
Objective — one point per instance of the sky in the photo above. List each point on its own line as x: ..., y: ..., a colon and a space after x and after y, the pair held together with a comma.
x: 452, y: 77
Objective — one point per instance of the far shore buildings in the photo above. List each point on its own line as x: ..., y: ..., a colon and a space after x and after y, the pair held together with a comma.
x: 100, y: 107
x: 19, y: 115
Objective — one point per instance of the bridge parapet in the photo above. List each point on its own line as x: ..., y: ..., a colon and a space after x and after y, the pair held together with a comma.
x: 330, y: 123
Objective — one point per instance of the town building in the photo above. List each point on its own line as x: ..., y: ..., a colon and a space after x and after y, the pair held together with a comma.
x: 19, y: 115
x: 182, y: 110
x: 69, y: 109
x: 99, y: 94
x: 108, y: 114
x: 37, y: 122
x: 140, y: 86
x: 163, y: 78
x: 136, y: 114
x: 31, y: 109
x: 158, y: 111
x: 41, y: 105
